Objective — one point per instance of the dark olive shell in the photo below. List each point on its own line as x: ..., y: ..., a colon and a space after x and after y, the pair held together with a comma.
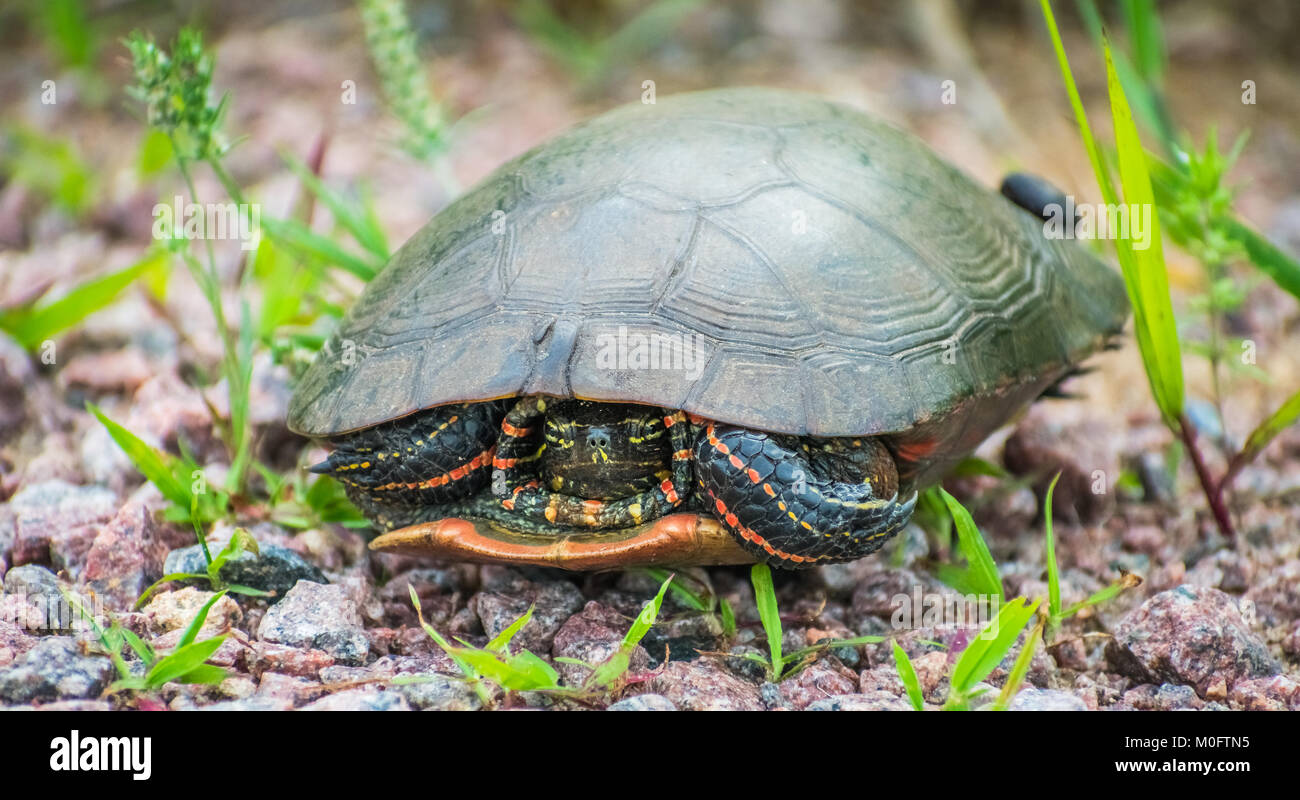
x: 833, y: 275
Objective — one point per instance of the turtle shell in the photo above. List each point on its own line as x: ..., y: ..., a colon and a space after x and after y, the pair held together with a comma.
x: 825, y: 273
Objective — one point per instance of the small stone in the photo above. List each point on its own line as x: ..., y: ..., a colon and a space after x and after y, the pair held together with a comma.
x: 319, y: 617
x: 286, y: 687
x: 434, y: 692
x: 258, y: 702
x: 107, y: 372
x: 1165, y: 697
x: 818, y: 681
x: 296, y: 661
x: 276, y: 569
x: 643, y: 702
x: 362, y: 699
x: 1032, y: 699
x: 702, y: 685
x: 593, y: 636
x: 870, y: 701
x: 55, y: 669
x: 1189, y: 635
x: 553, y: 601
x: 14, y: 641
x: 1278, y: 693
x: 171, y: 611
x: 56, y: 522
x: 126, y: 556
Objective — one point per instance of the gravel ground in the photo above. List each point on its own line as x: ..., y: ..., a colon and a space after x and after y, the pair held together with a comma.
x: 1210, y: 626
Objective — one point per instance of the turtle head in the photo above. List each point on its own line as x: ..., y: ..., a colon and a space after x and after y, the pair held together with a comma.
x: 602, y: 451
x: 1034, y: 194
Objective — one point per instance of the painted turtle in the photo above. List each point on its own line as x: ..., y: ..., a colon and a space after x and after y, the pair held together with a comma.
x: 735, y: 325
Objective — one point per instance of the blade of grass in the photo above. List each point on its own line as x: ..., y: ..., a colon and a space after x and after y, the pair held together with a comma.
x: 765, y: 598
x: 1019, y: 669
x: 907, y: 674
x: 31, y: 327
x: 1053, y: 569
x: 983, y: 570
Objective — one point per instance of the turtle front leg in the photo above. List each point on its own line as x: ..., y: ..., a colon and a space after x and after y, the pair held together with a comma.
x: 798, y: 503
x: 516, y: 486
x: 396, y: 472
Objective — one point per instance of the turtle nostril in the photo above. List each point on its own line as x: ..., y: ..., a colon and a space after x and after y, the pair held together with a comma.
x: 598, y: 439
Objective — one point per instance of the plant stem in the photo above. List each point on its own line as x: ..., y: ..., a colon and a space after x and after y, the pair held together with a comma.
x: 1212, y: 494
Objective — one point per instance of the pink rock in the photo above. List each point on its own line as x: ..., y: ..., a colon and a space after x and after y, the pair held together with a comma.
x: 703, y: 685
x: 126, y: 556
x: 818, y: 681
x: 1190, y: 635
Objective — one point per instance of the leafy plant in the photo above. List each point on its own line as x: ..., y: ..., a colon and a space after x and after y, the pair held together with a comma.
x: 179, y: 479
x: 907, y: 673
x: 241, y: 541
x: 526, y: 671
x: 1190, y: 197
x: 184, y: 664
x: 980, y: 576
x: 780, y: 666
x: 987, y: 650
x: 33, y: 324
x: 391, y: 43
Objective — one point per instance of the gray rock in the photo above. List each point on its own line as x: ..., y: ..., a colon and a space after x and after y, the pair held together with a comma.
x: 318, y: 617
x: 644, y: 702
x: 1031, y: 699
x: 363, y: 699
x: 869, y: 701
x: 276, y: 569
x: 55, y: 669
x: 1190, y: 635
x: 254, y: 703
x: 593, y: 636
x: 553, y: 601
x: 704, y: 686
x: 30, y: 579
x: 38, y: 588
x: 435, y: 692
x: 56, y: 522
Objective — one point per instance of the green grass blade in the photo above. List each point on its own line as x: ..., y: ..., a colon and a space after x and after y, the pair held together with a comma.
x: 1274, y: 263
x: 987, y: 650
x: 502, y: 640
x: 1144, y: 270
x: 1019, y: 669
x: 30, y: 328
x: 646, y: 619
x: 765, y: 598
x: 983, y: 570
x: 362, y: 226
x: 182, y: 660
x: 153, y: 464
x: 907, y: 674
x: 196, y: 624
x: 295, y: 236
x: 1053, y: 569
x: 1265, y: 432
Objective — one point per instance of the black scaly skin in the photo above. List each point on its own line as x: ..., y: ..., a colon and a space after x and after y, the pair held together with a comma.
x: 792, y: 502
x: 797, y: 503
x: 430, y: 457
